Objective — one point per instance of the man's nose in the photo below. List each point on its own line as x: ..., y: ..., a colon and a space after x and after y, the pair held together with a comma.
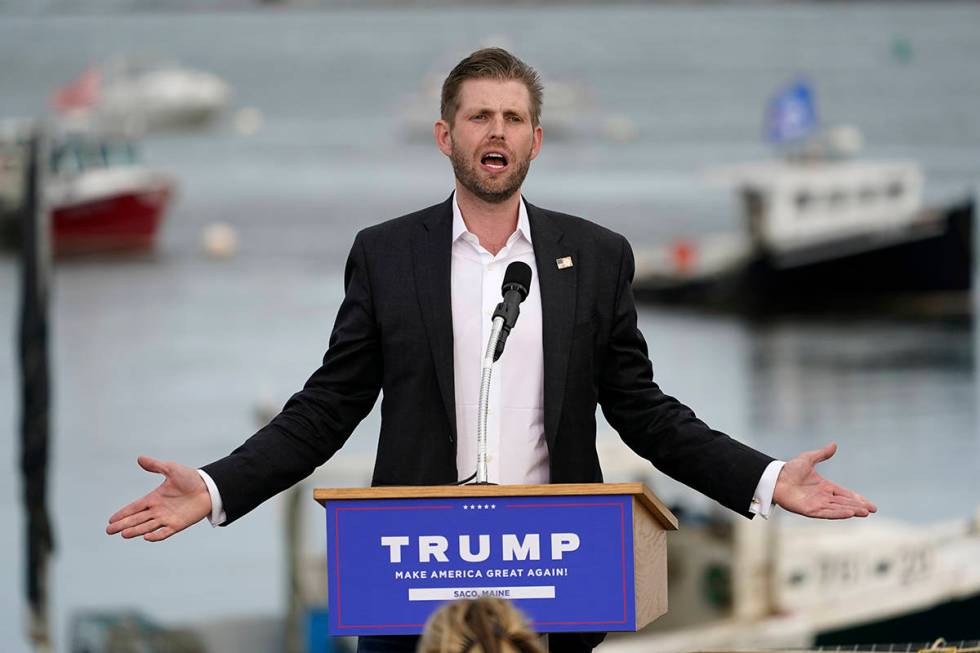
x: 497, y: 127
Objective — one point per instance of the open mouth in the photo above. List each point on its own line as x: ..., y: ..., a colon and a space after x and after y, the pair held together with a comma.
x: 494, y: 161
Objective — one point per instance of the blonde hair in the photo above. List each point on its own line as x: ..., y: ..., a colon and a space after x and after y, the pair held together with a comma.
x: 484, y: 625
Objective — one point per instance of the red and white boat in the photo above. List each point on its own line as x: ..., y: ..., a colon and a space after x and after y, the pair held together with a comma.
x: 102, y: 199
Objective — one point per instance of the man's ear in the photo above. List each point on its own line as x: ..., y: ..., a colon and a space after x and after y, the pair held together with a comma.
x: 443, y: 136
x: 537, y: 139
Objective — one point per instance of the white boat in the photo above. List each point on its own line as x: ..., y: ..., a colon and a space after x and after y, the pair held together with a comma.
x: 794, y: 583
x: 101, y: 197
x: 821, y: 231
x: 811, y: 209
x: 138, y: 95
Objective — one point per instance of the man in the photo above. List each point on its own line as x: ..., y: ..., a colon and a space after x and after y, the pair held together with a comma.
x: 414, y: 322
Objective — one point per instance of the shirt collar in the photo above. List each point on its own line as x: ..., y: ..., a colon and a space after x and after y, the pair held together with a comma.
x: 523, y: 224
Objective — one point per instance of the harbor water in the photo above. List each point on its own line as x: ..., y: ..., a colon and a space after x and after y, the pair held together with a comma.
x: 171, y: 354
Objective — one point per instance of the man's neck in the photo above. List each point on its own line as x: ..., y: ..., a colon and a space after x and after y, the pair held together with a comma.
x: 492, y: 223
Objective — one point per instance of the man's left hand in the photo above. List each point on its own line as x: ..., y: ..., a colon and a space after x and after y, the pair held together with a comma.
x: 800, y: 489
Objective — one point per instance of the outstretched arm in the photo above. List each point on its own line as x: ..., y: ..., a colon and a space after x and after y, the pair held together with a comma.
x: 802, y: 490
x: 180, y: 501
x: 657, y: 426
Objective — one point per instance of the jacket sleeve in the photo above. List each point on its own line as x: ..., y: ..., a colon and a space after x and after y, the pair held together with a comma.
x: 317, y: 420
x: 659, y: 427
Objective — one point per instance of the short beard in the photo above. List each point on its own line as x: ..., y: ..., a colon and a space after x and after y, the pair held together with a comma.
x: 471, y: 181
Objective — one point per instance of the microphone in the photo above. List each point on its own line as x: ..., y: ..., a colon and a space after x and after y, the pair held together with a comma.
x: 517, y: 283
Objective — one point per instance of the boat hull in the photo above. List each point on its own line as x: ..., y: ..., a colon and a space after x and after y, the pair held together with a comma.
x: 926, y: 271
x: 953, y: 620
x: 127, y: 221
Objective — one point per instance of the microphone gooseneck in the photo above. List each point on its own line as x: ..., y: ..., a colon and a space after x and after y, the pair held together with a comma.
x: 517, y: 283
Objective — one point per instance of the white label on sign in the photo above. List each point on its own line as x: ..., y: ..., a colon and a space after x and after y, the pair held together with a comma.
x: 451, y: 593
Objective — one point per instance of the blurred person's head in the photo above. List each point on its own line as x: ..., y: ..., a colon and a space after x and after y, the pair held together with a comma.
x: 484, y: 625
x: 489, y: 126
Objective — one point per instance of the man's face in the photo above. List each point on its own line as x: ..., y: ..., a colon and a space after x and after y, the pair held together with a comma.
x: 492, y: 141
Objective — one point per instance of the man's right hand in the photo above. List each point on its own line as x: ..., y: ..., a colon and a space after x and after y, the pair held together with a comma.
x: 182, y: 500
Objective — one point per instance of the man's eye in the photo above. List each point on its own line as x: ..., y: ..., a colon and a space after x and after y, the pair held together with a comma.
x: 516, y: 119
x: 479, y: 116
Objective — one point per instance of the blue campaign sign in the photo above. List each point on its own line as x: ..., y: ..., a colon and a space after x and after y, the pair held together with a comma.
x: 566, y: 561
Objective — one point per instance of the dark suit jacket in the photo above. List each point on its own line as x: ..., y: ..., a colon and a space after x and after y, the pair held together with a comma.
x: 394, y: 334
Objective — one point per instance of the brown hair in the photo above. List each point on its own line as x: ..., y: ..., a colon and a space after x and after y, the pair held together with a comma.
x: 484, y: 625
x: 490, y: 63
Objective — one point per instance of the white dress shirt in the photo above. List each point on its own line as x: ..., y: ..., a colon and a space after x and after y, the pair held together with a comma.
x: 516, y: 448
x: 517, y: 452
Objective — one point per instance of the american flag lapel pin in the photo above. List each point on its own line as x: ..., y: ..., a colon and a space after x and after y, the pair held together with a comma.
x: 564, y: 262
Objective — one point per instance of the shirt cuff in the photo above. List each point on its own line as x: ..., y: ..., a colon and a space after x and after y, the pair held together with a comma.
x: 217, y: 516
x: 762, y: 499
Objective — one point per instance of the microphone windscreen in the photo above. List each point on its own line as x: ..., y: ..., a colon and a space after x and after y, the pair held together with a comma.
x: 517, y: 277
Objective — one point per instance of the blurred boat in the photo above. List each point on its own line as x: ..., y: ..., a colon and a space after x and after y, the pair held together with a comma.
x: 793, y: 583
x: 139, y: 95
x: 940, y: 645
x: 101, y: 198
x: 126, y: 632
x: 823, y: 231
x: 745, y: 584
x: 820, y: 234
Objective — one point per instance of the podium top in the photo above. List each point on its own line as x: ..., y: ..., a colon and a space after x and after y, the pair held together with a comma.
x: 642, y: 493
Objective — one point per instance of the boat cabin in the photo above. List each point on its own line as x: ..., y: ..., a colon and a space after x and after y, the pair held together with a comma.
x: 793, y: 205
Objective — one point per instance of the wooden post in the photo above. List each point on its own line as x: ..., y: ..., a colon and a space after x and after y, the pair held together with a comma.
x: 35, y: 385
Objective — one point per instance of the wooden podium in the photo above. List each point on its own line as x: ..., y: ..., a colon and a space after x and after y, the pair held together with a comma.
x: 573, y: 557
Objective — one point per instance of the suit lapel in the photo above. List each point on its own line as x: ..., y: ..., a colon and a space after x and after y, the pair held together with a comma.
x: 558, y: 293
x: 432, y: 253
